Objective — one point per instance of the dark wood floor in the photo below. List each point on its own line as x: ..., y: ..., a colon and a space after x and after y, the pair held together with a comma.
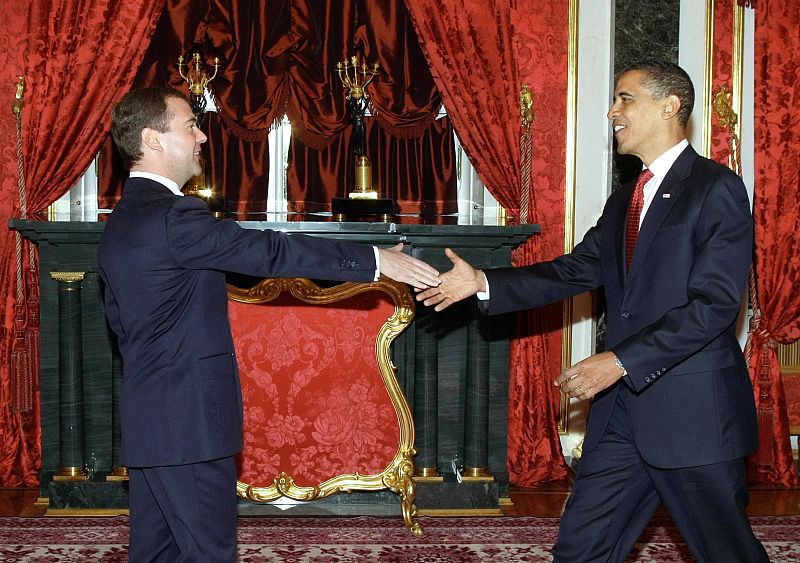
x: 545, y: 500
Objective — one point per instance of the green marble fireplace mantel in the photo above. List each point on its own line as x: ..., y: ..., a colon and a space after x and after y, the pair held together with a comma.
x: 453, y: 367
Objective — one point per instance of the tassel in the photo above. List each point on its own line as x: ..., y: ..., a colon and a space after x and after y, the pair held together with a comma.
x: 766, y: 414
x: 766, y: 428
x: 747, y: 3
x: 526, y: 158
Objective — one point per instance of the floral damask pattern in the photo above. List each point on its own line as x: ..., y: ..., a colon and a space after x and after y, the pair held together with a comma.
x: 722, y: 76
x: 77, y: 58
x: 315, y: 403
x: 776, y: 209
x: 481, y: 52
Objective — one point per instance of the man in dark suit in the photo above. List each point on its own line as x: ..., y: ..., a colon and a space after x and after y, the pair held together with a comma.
x: 163, y: 260
x: 673, y: 414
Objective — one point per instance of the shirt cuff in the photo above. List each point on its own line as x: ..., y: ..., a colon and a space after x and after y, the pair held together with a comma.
x: 377, y: 263
x: 484, y: 295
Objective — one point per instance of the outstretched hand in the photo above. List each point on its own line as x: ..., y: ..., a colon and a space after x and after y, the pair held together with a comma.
x: 404, y: 268
x: 457, y: 284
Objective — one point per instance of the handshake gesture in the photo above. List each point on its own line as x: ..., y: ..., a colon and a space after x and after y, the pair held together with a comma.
x: 457, y: 284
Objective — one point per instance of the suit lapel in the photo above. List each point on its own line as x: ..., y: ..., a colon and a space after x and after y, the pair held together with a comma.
x: 621, y: 220
x: 668, y: 192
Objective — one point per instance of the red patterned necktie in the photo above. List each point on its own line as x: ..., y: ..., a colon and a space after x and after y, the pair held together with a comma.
x: 634, y: 211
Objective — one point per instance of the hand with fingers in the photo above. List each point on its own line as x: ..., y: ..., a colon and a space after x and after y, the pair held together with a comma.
x: 588, y: 377
x: 457, y: 284
x: 397, y: 265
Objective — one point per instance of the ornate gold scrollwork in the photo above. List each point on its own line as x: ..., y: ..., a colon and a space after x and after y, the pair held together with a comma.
x: 526, y: 107
x: 398, y: 475
x: 722, y: 107
x: 728, y: 119
x: 401, y: 481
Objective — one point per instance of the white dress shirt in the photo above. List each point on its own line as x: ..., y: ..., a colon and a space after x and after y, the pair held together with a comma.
x: 659, y: 167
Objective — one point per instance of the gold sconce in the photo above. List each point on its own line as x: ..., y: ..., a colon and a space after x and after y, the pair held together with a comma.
x: 197, y: 79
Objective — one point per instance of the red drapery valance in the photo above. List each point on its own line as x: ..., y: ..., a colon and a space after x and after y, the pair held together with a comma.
x: 279, y: 57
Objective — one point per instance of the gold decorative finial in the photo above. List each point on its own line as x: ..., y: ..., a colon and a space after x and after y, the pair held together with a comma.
x: 722, y: 107
x: 355, y: 76
x: 728, y: 119
x: 18, y: 97
x: 526, y: 107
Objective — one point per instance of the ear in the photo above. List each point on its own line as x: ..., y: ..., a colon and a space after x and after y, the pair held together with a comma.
x: 671, y: 106
x: 151, y: 139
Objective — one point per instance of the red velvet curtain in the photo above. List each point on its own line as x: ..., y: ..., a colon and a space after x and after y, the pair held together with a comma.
x: 279, y: 57
x: 419, y: 174
x: 20, y: 453
x: 480, y: 52
x: 78, y: 59
x: 413, y: 156
x: 777, y: 224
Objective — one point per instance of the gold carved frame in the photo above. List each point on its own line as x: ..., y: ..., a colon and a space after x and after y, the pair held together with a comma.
x: 398, y: 475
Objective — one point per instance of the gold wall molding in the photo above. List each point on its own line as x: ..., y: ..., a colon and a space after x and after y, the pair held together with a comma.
x: 708, y: 80
x: 569, y: 196
x: 789, y: 357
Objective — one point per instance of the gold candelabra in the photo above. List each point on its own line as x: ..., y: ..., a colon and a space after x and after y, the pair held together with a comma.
x: 197, y: 78
x: 355, y: 77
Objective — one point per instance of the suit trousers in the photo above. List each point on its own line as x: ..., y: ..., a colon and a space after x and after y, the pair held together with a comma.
x: 184, y: 513
x: 616, y: 493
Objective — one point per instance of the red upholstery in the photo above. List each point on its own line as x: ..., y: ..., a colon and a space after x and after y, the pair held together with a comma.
x: 315, y: 403
x: 791, y: 386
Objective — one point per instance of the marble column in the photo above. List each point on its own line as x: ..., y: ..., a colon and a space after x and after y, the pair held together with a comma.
x: 476, y: 405
x: 119, y: 472
x: 70, y: 380
x: 426, y: 396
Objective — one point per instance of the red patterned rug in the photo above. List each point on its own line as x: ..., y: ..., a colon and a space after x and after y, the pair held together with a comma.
x: 297, y: 540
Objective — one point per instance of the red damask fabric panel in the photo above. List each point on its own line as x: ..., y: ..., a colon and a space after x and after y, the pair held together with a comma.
x: 315, y: 403
x: 791, y: 385
x: 777, y: 229
x: 480, y: 53
x: 541, y: 43
x: 78, y: 58
x: 722, y: 77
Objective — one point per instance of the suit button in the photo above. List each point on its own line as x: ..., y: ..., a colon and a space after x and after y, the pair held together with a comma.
x: 625, y: 315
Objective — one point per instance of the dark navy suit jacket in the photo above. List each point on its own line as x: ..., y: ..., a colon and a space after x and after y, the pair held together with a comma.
x: 670, y: 319
x: 163, y: 259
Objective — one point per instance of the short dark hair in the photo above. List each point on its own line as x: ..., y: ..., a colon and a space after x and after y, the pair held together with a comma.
x: 662, y: 79
x: 138, y: 109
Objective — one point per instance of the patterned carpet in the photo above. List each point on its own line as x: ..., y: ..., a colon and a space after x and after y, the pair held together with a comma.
x: 301, y: 540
